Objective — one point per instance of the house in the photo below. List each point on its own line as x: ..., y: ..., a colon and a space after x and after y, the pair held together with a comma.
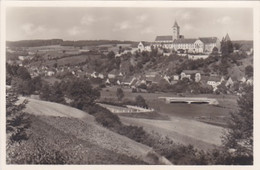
x: 164, y: 41
x: 190, y: 74
x: 167, y: 78
x: 196, y: 56
x: 50, y: 73
x: 129, y: 81
x: 153, y: 80
x: 151, y: 74
x: 210, y: 43
x: 118, y: 82
x: 176, y: 77
x: 188, y: 45
x: 21, y: 57
x: 229, y: 82
x: 249, y: 81
x: 100, y: 76
x: 107, y: 81
x: 94, y: 74
x: 143, y: 46
x: 111, y: 75
x: 242, y: 80
x: 214, y: 81
x: 120, y: 74
x: 166, y: 54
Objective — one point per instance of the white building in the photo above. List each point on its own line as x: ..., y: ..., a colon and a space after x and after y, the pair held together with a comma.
x: 188, y: 45
x: 143, y: 46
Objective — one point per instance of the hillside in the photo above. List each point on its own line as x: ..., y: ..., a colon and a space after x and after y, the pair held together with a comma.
x: 75, y: 133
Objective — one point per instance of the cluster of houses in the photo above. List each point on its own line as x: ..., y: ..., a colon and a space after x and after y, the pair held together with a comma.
x: 156, y: 77
x: 115, y: 77
x: 212, y: 80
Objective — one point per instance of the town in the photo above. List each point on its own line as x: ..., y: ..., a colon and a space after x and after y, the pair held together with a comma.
x: 173, y: 92
x: 52, y: 62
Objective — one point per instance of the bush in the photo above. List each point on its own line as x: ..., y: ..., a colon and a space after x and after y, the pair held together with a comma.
x: 140, y: 101
x: 104, y: 116
x: 133, y: 132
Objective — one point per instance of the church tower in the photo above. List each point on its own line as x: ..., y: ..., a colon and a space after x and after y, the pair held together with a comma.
x: 176, y: 31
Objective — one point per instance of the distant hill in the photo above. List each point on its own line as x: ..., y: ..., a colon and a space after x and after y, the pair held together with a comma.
x: 33, y: 43
x: 79, y: 43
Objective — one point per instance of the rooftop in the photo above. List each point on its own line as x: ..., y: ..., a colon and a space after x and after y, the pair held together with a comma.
x: 164, y: 38
x: 207, y: 40
x: 184, y: 41
x: 191, y: 71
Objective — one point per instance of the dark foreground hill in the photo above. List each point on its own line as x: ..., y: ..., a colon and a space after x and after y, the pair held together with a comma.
x: 63, y: 135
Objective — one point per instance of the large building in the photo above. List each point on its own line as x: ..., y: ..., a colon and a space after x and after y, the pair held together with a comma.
x: 189, y: 45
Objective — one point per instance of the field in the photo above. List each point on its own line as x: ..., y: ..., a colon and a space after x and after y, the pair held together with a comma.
x: 227, y: 103
x: 201, y: 125
x: 76, y: 133
x: 74, y: 60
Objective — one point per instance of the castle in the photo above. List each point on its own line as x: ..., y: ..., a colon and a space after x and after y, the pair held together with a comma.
x: 188, y: 45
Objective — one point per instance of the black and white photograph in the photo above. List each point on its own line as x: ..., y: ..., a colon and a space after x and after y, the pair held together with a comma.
x: 129, y: 85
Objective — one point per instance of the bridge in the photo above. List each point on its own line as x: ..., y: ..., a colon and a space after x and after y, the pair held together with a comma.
x: 190, y: 100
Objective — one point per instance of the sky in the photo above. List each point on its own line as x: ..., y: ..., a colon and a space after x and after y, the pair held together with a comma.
x: 122, y: 23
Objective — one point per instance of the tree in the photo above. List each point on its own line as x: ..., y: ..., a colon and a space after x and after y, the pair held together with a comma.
x: 23, y: 87
x: 17, y: 121
x: 119, y: 93
x: 120, y: 49
x: 82, y: 93
x: 226, y: 47
x: 215, y: 50
x: 111, y: 55
x: 140, y: 101
x: 23, y: 73
x: 45, y: 92
x: 239, y: 136
x: 55, y: 65
x: 249, y: 71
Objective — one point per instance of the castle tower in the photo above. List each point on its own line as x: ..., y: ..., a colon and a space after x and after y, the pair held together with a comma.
x: 176, y: 31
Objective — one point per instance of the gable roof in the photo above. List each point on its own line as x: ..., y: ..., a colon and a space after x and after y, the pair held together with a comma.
x: 128, y: 79
x: 207, y: 40
x: 144, y: 43
x: 184, y: 41
x: 163, y: 38
x: 191, y: 71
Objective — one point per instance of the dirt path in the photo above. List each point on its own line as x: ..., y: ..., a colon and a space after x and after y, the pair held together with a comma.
x: 184, y: 131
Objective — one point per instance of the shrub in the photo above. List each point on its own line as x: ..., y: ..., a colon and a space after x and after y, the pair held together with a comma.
x: 140, y: 101
x: 104, y: 116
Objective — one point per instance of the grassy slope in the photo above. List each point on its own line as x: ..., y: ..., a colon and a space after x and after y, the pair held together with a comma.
x: 96, y: 145
x: 200, y: 135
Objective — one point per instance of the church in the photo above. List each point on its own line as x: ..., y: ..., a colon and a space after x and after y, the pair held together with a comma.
x: 189, y: 45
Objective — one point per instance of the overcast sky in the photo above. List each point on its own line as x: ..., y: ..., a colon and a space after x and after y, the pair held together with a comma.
x: 126, y: 23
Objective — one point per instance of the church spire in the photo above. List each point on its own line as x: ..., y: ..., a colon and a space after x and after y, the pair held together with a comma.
x: 175, y: 24
x: 227, y: 38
